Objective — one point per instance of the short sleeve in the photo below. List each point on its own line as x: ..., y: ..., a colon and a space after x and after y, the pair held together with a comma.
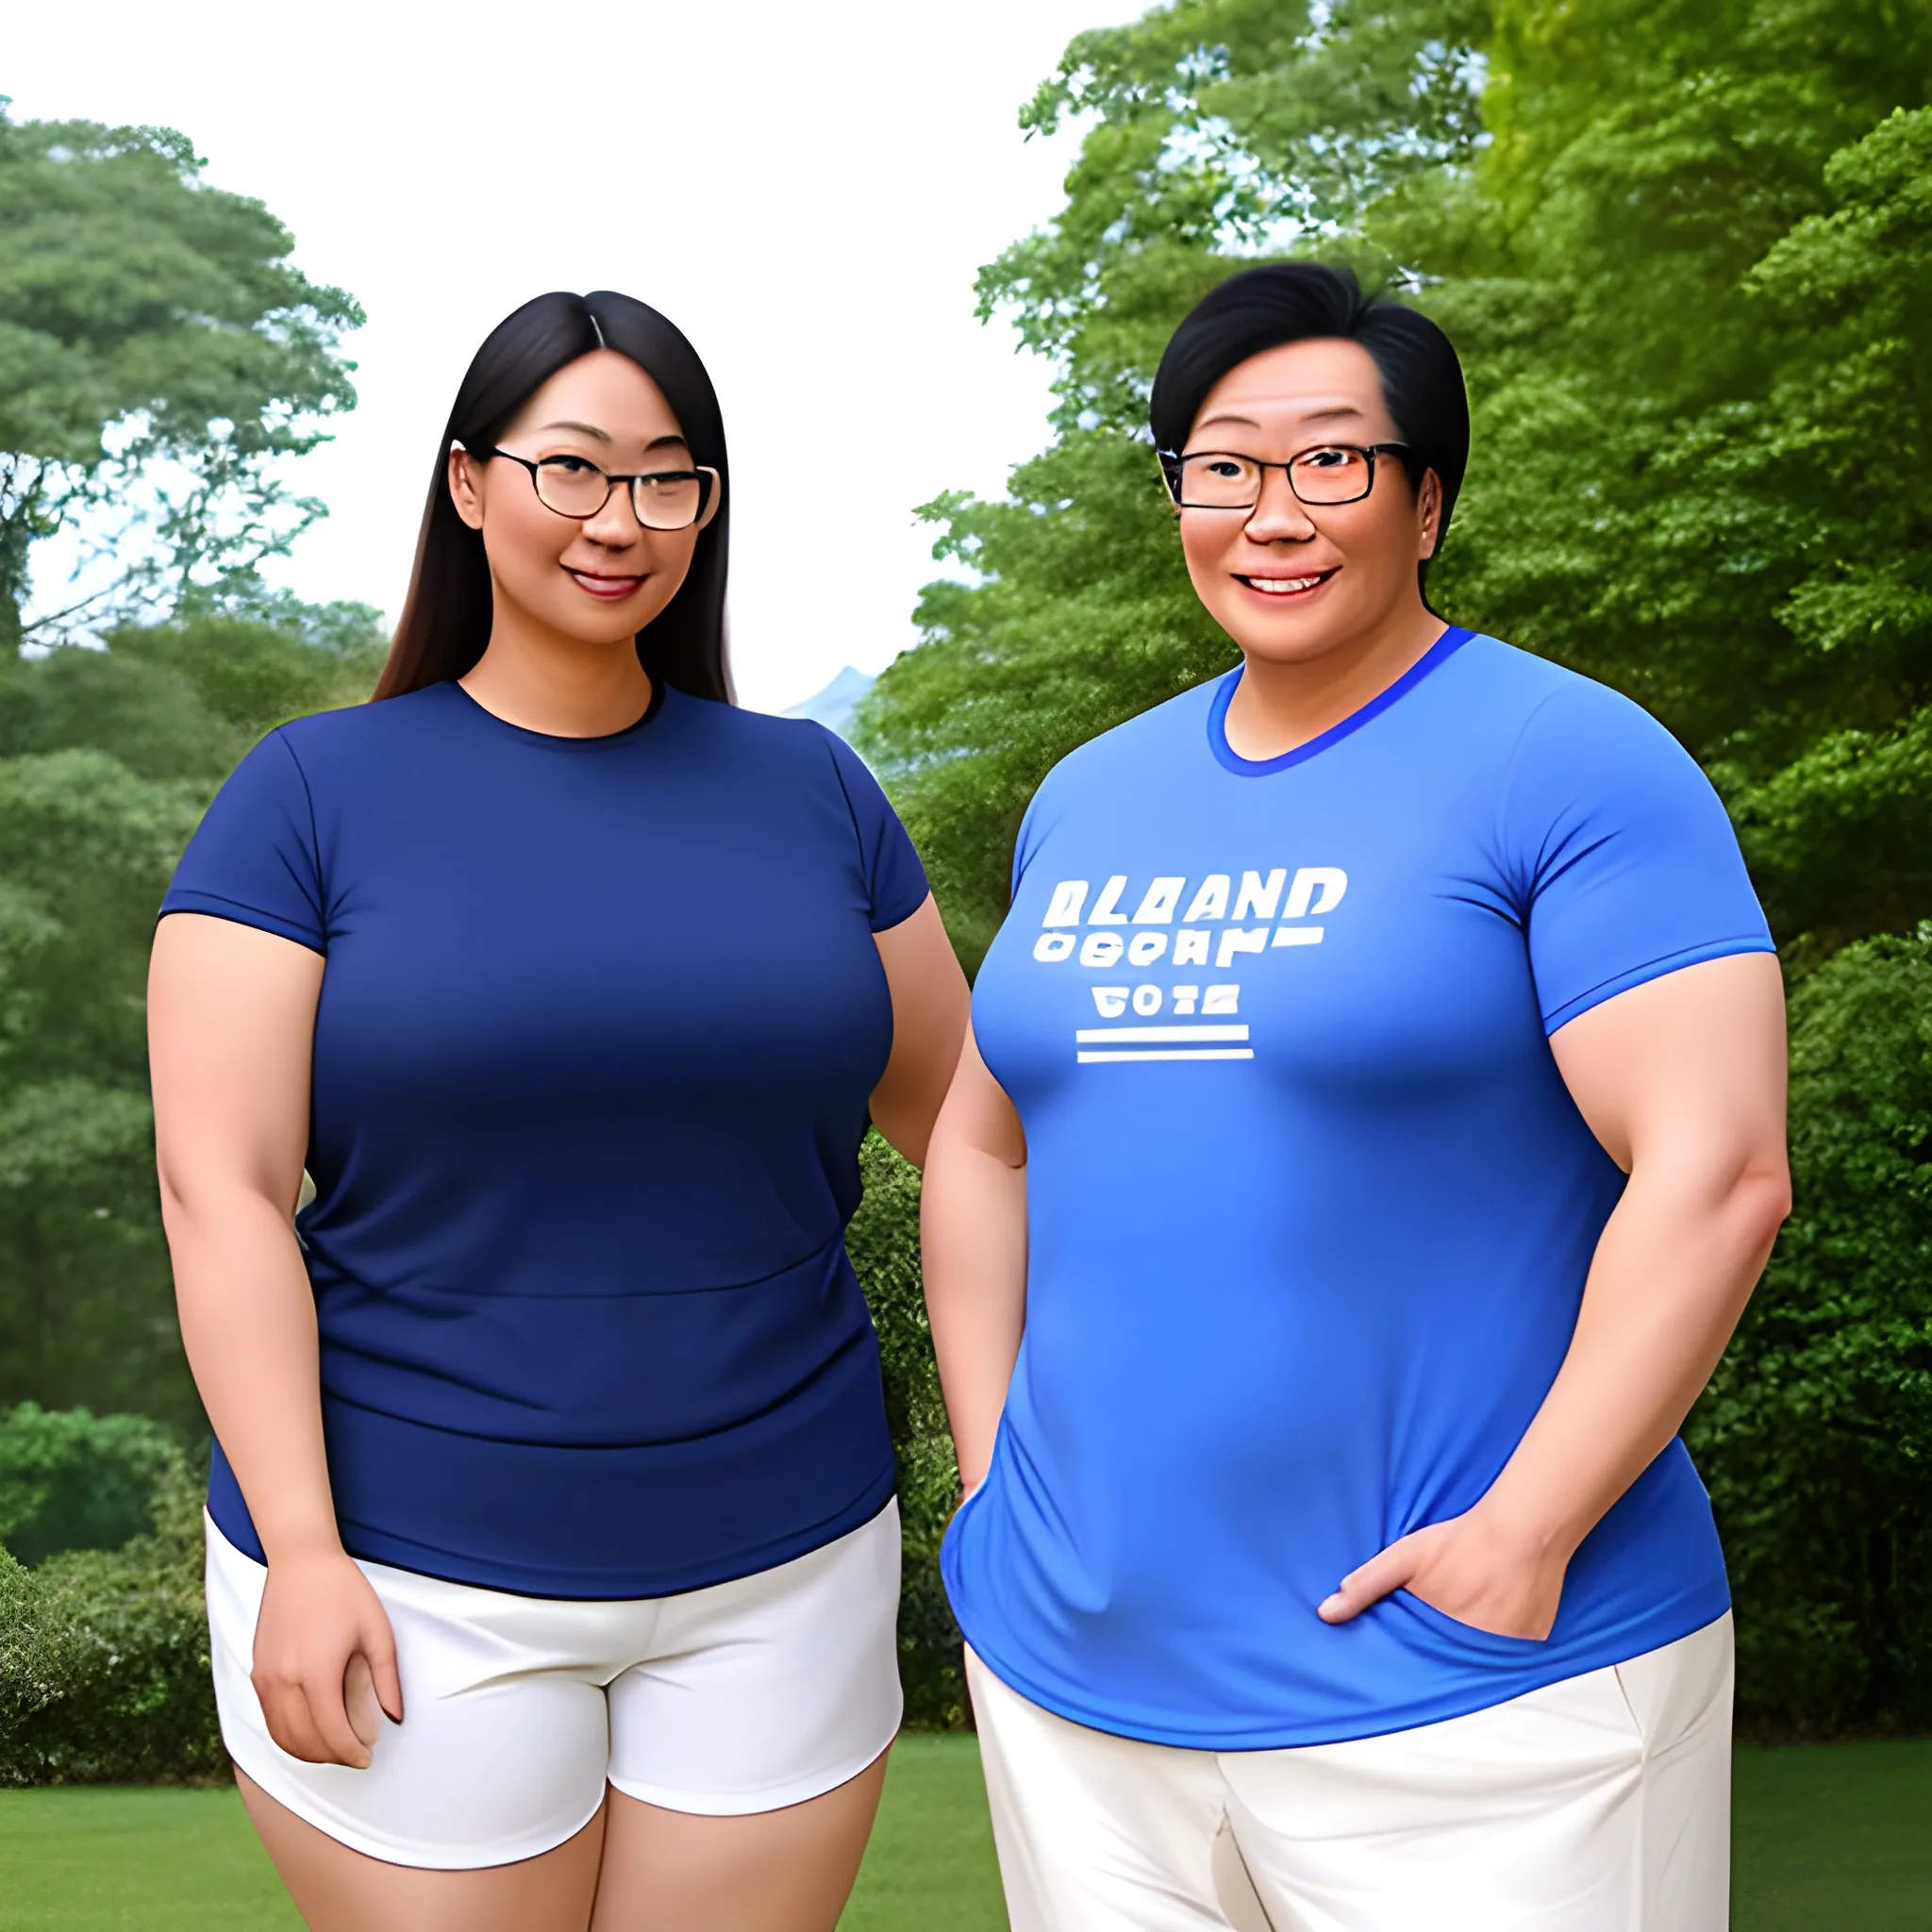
x: 1623, y: 857
x: 253, y: 859
x: 894, y: 875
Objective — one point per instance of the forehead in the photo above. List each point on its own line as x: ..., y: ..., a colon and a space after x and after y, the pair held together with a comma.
x: 1328, y: 386
x: 602, y: 391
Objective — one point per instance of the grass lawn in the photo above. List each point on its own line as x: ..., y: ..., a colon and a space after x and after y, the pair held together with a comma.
x: 1828, y: 1837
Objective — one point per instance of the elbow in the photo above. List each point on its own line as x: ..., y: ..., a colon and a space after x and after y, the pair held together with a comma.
x: 1759, y: 1202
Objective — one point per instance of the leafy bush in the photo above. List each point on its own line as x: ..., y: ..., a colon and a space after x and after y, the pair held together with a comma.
x: 70, y: 1480
x: 103, y: 1658
x: 1815, y: 1436
x: 884, y: 1245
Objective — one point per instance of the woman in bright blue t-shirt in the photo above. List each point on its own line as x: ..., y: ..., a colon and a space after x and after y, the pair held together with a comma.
x: 553, y: 1557
x: 1372, y: 1128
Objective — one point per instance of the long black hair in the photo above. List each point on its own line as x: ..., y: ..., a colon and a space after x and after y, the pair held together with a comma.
x: 1304, y: 301
x: 445, y: 621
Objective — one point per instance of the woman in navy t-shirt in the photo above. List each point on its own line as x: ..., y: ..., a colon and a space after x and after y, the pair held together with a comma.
x: 552, y: 1556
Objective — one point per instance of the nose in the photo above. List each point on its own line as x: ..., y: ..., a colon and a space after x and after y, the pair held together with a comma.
x: 1280, y: 515
x: 616, y: 525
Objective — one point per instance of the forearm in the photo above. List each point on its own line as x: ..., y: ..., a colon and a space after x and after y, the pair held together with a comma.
x: 248, y: 1324
x: 973, y: 1233
x: 1673, y: 1271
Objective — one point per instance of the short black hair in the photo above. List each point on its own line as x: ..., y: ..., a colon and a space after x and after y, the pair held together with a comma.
x: 1306, y: 301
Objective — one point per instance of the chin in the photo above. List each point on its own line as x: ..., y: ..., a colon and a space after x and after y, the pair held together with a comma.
x: 1286, y: 644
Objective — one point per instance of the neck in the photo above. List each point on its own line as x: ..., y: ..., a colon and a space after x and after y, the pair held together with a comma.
x: 1282, y: 704
x: 561, y: 686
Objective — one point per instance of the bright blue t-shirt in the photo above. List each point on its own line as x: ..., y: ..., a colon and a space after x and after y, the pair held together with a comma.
x: 600, y: 1021
x: 1309, y: 1207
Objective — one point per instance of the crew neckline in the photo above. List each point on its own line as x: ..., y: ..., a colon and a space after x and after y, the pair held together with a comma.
x: 558, y: 740
x: 1438, y: 653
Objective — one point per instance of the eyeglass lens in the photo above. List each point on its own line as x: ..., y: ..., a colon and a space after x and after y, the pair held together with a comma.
x: 1216, y: 480
x: 574, y: 487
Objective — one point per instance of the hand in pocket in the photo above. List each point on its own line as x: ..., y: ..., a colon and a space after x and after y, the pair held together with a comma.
x: 1473, y: 1568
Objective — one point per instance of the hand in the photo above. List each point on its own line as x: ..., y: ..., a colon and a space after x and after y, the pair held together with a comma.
x: 325, y: 1660
x: 1475, y: 1568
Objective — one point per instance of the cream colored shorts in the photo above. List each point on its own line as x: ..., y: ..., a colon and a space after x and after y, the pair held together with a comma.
x: 1601, y: 1804
x: 517, y: 1711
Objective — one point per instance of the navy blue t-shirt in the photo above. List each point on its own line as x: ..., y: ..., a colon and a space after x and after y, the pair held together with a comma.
x: 1310, y: 1206
x: 599, y: 1025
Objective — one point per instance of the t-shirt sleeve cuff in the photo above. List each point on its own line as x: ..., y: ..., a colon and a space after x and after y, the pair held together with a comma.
x: 1655, y: 969
x: 898, y: 910
x: 182, y: 900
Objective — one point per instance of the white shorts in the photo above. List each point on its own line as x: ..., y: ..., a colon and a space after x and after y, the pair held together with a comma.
x: 517, y: 1711
x: 1602, y: 1804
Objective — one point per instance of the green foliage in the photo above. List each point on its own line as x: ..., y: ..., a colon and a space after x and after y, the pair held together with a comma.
x: 1815, y: 1436
x: 70, y: 1480
x: 152, y: 333
x: 104, y: 1661
x: 106, y: 760
x: 883, y: 1242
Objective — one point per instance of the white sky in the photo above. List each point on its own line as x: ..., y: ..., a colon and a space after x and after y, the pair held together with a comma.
x: 850, y: 165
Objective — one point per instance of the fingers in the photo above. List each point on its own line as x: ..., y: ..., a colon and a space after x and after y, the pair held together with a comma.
x: 358, y: 1700
x: 1371, y: 1582
x: 323, y: 1691
x: 381, y: 1650
x: 328, y: 1711
x: 285, y: 1710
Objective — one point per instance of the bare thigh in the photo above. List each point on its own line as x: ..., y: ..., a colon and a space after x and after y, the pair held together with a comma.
x: 787, y: 1871
x: 337, y: 1889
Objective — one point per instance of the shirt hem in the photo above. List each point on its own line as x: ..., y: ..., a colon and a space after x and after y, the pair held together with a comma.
x: 551, y: 1585
x: 1509, y: 1685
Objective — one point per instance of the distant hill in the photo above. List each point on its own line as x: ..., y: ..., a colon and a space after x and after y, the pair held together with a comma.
x: 838, y: 704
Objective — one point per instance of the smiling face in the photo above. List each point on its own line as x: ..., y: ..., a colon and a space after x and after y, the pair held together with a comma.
x: 1287, y: 582
x: 599, y: 580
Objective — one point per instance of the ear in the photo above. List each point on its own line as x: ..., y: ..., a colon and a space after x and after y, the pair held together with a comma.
x: 1428, y: 509
x: 464, y: 474
x: 713, y: 500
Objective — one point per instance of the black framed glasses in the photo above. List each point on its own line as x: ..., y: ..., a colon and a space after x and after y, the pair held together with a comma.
x: 575, y: 487
x: 1329, y: 474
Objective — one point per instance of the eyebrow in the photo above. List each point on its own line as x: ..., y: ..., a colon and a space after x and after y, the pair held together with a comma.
x: 590, y: 429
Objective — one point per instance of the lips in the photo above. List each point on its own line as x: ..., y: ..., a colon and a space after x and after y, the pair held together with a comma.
x: 1285, y: 589
x: 609, y: 589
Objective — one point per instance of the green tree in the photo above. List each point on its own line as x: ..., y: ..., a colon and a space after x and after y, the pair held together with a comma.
x: 106, y: 760
x: 159, y: 357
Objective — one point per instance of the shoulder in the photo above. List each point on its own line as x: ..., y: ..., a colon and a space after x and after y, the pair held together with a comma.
x: 1125, y: 753
x: 767, y: 755
x: 757, y: 736
x: 1583, y: 766
x: 322, y: 741
x: 1541, y: 707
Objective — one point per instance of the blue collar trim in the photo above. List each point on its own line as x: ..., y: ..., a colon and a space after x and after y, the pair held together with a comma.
x: 1437, y: 654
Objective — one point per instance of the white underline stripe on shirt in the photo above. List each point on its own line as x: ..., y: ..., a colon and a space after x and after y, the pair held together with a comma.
x: 1157, y: 1036
x: 1188, y: 1053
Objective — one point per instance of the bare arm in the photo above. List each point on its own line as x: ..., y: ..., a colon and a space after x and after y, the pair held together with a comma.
x: 1683, y: 1082
x: 929, y: 1004
x: 973, y: 1229
x: 231, y: 1017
